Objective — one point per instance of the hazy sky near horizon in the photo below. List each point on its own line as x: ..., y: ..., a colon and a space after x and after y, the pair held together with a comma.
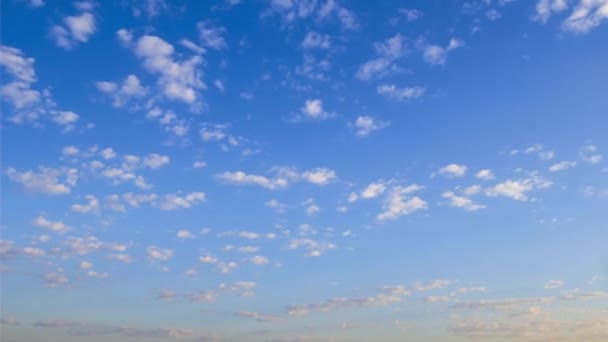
x: 304, y: 170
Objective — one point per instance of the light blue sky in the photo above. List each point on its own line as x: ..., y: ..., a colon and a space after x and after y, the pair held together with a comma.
x: 303, y: 170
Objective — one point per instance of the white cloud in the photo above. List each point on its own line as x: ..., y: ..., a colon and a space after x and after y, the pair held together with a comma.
x: 461, y: 202
x: 316, y: 40
x: 47, y: 180
x: 433, y: 285
x: 398, y: 204
x: 255, y: 315
x: 517, y: 189
x: 453, y: 170
x: 211, y: 36
x: 485, y: 174
x: 185, y: 234
x: 587, y: 15
x: 240, y: 177
x: 259, y: 260
x: 589, y: 153
x: 175, y: 201
x: 199, y: 164
x: 562, y: 166
x: 393, y: 92
x: 553, y: 284
x: 384, y: 64
x: 318, y: 176
x: 91, y: 206
x: 410, y: 14
x: 54, y: 226
x: 155, y: 160
x: 437, y: 55
x: 292, y: 10
x: 276, y: 205
x: 315, y: 248
x: 130, y: 88
x: 75, y: 29
x: 85, y: 265
x: 313, y: 109
x: 155, y: 253
x: 373, y: 190
x: 179, y: 79
x: 311, y: 207
x: 367, y: 124
x: 18, y: 92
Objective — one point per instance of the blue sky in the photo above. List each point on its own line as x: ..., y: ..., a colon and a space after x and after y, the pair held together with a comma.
x: 303, y: 170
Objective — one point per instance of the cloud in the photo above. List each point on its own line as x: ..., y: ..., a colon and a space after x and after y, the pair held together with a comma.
x: 366, y: 124
x: 54, y: 226
x: 410, y: 14
x: 176, y: 201
x: 398, y: 204
x: 545, y: 8
x: 315, y: 40
x: 91, y: 206
x: 385, y: 296
x: 453, y: 170
x: 313, y: 109
x: 179, y: 80
x: 211, y: 36
x: 155, y: 160
x: 553, y: 284
x: 47, y: 180
x: 185, y: 234
x: 131, y: 88
x: 255, y: 315
x: 433, y: 285
x: 587, y: 15
x: 485, y: 174
x: 438, y: 55
x: 276, y: 205
x: 373, y: 190
x: 384, y: 64
x: 75, y: 29
x: 393, y: 92
x: 311, y: 207
x: 461, y: 202
x: 9, y: 320
x: 562, y: 166
x: 589, y: 153
x: 292, y: 11
x: 516, y: 189
x: 285, y: 176
x: 319, y: 176
x: 18, y: 92
x: 155, y: 253
x: 315, y: 248
x: 259, y: 260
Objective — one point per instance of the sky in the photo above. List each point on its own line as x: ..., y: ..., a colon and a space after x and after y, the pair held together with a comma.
x: 304, y: 170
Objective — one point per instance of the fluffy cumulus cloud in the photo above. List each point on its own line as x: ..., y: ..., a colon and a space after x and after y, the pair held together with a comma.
x: 130, y: 88
x: 75, y: 29
x: 485, y: 174
x: 517, y: 189
x: 46, y: 180
x: 178, y: 79
x: 315, y: 40
x: 313, y: 110
x: 366, y: 124
x: 292, y: 11
x: 19, y: 69
x: 460, y: 201
x: 398, y: 202
x: 453, y: 170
